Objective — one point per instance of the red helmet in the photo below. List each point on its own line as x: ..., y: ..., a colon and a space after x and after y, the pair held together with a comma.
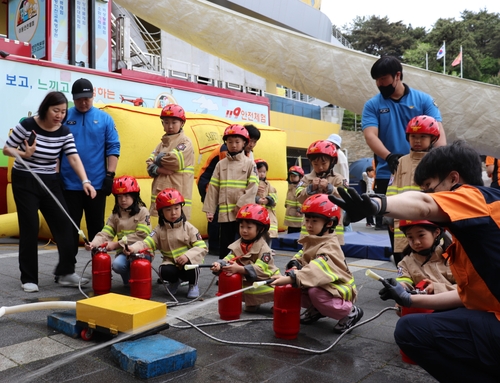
x: 173, y: 110
x: 319, y: 204
x: 423, y: 125
x: 406, y: 223
x: 236, y: 130
x: 297, y: 170
x: 322, y: 147
x: 254, y: 212
x: 261, y: 161
x: 125, y: 185
x: 168, y: 197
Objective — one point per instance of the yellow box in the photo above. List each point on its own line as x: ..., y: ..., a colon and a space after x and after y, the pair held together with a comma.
x: 119, y: 313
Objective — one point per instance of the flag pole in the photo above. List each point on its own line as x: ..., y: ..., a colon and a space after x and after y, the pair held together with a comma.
x: 461, y: 63
x: 444, y: 57
x: 426, y: 60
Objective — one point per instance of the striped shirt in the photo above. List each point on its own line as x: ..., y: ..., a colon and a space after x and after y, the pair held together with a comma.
x: 49, y: 146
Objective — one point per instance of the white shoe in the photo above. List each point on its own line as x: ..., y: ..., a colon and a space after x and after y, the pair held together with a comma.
x: 72, y: 280
x: 193, y: 292
x: 30, y: 287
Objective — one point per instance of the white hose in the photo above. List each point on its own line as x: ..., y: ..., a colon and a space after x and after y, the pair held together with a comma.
x: 36, y: 306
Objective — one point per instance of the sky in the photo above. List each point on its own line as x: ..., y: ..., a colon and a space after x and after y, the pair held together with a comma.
x: 421, y: 13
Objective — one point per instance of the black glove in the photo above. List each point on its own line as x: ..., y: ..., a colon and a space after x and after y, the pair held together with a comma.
x: 357, y: 206
x: 293, y: 263
x: 393, y: 161
x: 393, y: 290
x: 107, y: 184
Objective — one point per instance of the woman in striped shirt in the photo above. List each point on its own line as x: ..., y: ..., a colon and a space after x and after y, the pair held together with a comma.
x: 41, y: 158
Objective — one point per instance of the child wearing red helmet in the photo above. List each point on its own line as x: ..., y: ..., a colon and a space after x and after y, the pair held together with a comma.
x: 421, y: 132
x: 251, y: 256
x: 267, y: 196
x: 233, y: 184
x: 293, y: 216
x: 179, y: 242
x: 129, y: 222
x: 426, y: 260
x: 320, y: 269
x: 171, y: 164
x: 322, y: 180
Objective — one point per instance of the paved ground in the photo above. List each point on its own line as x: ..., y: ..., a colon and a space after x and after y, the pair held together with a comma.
x: 368, y: 354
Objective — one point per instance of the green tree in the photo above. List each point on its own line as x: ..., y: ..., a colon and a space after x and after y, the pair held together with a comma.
x: 378, y: 36
x: 417, y: 56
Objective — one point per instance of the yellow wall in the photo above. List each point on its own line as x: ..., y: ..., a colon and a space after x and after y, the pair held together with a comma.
x: 301, y: 131
x: 4, y: 28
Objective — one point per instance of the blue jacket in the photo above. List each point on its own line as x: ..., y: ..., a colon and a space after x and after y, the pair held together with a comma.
x: 391, y: 118
x: 96, y: 139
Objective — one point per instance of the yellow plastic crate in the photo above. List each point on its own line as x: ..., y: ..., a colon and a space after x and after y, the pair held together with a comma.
x: 119, y: 313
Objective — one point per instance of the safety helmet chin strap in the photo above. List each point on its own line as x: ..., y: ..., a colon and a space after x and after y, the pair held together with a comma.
x: 428, y: 252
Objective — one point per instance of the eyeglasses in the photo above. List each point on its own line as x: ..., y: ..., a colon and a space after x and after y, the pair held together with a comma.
x: 433, y: 189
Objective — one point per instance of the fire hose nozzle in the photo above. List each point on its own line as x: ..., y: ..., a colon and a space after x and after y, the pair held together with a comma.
x: 373, y: 275
x: 262, y: 283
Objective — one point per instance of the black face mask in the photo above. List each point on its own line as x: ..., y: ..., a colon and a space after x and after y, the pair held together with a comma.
x: 387, y: 90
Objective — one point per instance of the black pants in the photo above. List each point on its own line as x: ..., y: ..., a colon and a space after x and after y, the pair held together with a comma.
x: 229, y: 232
x: 459, y: 345
x: 293, y: 230
x: 78, y: 202
x: 213, y: 234
x: 380, y: 187
x: 172, y: 274
x: 30, y: 196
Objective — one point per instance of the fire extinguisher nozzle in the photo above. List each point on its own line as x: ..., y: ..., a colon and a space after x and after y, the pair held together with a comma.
x: 373, y: 275
x: 262, y: 283
x: 190, y: 267
x: 80, y: 232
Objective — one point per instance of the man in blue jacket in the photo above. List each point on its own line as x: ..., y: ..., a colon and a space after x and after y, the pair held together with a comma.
x: 98, y: 145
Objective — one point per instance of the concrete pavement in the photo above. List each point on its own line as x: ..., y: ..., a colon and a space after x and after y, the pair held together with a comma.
x: 368, y: 354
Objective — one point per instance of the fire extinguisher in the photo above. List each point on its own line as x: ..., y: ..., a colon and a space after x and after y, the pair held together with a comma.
x: 230, y: 307
x: 140, y: 276
x: 419, y: 289
x: 101, y: 270
x: 286, y: 316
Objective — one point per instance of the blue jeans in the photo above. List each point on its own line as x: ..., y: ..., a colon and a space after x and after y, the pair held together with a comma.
x: 121, y: 265
x: 459, y: 345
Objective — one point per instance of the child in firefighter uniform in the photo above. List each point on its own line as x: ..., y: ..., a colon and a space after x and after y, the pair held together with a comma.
x: 171, y: 164
x: 422, y: 132
x: 322, y: 180
x: 293, y: 215
x: 425, y: 265
x: 129, y: 223
x: 233, y: 184
x: 320, y: 269
x: 267, y: 197
x: 179, y: 242
x: 251, y: 256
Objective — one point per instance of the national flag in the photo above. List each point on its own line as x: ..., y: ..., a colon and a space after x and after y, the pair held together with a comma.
x: 441, y: 52
x: 458, y: 60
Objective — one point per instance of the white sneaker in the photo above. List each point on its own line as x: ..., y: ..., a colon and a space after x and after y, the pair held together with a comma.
x: 30, y: 287
x: 72, y: 280
x: 193, y: 292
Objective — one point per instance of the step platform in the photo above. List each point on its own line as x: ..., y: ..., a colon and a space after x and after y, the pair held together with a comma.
x: 153, y: 356
x: 357, y: 245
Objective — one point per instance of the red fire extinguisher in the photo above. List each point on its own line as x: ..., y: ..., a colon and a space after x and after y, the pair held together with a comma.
x: 420, y: 289
x: 140, y: 276
x: 230, y: 307
x: 101, y: 270
x: 286, y: 317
